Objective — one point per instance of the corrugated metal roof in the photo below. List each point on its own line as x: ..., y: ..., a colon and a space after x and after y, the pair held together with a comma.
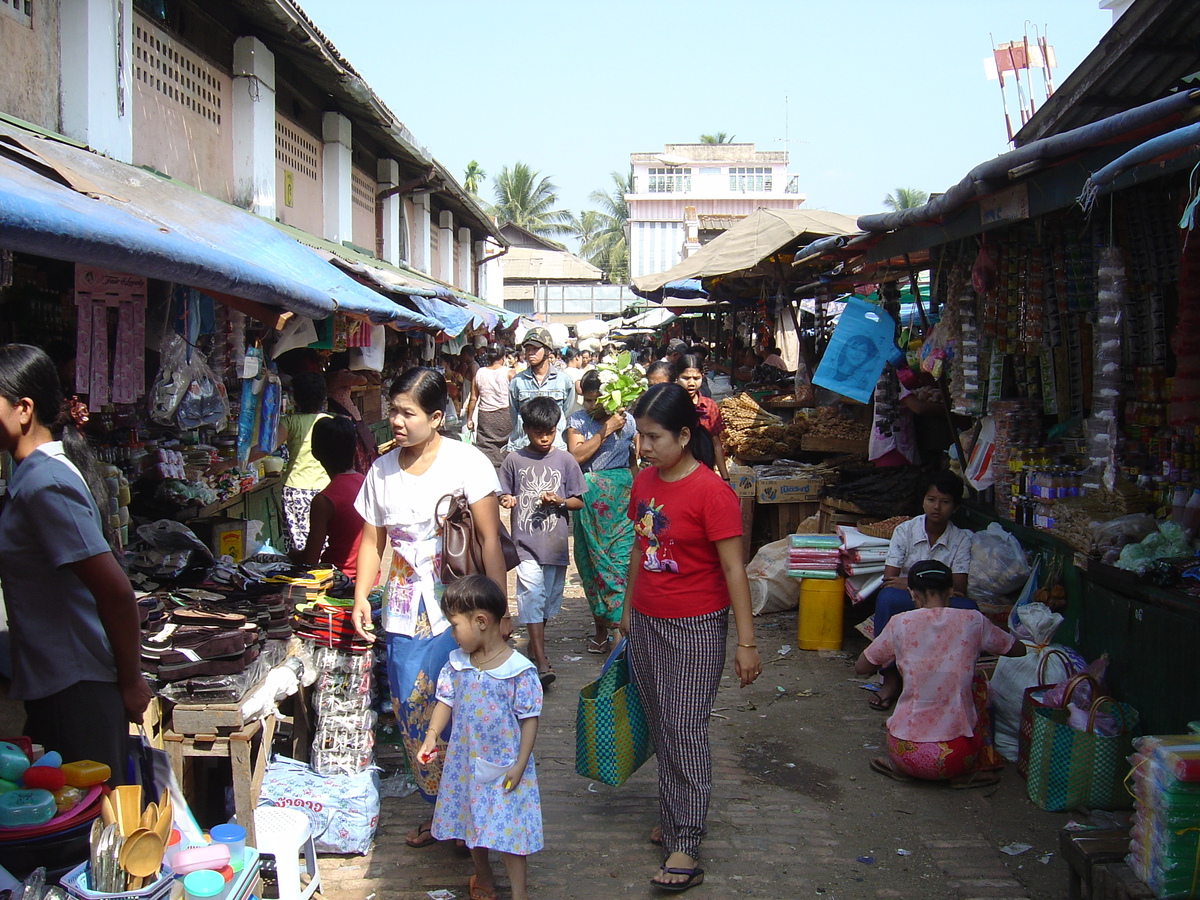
x: 1141, y: 58
x: 718, y: 223
x: 64, y: 202
x: 547, y: 265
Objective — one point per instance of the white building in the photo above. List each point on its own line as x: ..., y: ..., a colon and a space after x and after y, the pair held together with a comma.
x: 675, y: 190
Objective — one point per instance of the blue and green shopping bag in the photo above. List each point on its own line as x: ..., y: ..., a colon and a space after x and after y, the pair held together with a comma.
x: 612, y: 737
x: 1072, y: 769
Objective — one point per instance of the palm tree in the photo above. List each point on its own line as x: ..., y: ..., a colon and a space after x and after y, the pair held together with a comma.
x: 719, y: 138
x: 606, y: 246
x: 526, y: 198
x: 586, y: 226
x: 473, y: 176
x: 905, y: 198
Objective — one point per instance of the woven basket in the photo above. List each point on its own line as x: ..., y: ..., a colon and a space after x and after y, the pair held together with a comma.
x: 877, y: 529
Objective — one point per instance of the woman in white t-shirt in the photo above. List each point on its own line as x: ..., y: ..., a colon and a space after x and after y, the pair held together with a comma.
x: 398, y: 503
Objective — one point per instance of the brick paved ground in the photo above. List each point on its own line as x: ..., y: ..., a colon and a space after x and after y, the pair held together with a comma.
x: 795, y: 811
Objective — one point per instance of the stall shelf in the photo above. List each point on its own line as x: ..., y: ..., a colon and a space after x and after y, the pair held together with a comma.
x: 247, y: 748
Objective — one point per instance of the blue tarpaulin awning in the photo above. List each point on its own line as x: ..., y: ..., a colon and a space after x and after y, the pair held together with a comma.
x: 67, y: 203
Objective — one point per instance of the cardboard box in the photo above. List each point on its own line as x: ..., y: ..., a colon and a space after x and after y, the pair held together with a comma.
x: 788, y: 489
x: 743, y: 480
x: 225, y: 536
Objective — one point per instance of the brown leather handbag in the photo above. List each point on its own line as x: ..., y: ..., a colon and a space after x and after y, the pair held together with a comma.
x: 462, y: 553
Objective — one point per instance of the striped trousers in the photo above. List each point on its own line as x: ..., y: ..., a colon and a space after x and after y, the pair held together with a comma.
x: 677, y: 667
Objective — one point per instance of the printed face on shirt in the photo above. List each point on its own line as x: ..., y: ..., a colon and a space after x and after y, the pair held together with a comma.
x: 938, y: 507
x: 660, y: 447
x: 410, y: 424
x: 689, y: 380
x: 540, y: 441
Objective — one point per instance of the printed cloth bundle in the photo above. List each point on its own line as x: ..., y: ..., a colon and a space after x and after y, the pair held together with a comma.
x: 814, y: 555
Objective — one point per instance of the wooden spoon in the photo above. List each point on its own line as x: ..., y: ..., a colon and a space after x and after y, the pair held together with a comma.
x: 162, y: 827
x: 129, y: 807
x: 108, y: 812
x: 149, y: 816
x: 142, y: 854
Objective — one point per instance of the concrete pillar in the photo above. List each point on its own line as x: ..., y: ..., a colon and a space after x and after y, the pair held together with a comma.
x: 335, y: 174
x: 445, y: 270
x: 491, y: 276
x: 96, y: 98
x: 418, y: 245
x: 254, y: 126
x: 464, y: 279
x: 392, y: 222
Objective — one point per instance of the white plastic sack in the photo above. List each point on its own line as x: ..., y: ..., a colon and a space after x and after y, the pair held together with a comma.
x: 343, y: 809
x: 998, y: 565
x: 771, y: 588
x: 1014, y: 674
x: 591, y: 328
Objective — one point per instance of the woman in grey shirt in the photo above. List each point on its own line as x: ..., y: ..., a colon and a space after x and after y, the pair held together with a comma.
x: 71, y: 610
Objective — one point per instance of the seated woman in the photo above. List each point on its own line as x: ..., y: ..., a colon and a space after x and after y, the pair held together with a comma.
x: 937, y: 731
x: 928, y: 536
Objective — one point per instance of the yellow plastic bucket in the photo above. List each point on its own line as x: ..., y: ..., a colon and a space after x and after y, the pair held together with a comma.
x: 819, y: 624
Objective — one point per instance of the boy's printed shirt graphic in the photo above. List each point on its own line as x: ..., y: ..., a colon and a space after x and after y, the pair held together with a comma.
x: 532, y: 514
x: 652, y: 524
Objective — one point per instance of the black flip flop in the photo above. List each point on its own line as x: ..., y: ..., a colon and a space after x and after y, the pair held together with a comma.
x: 424, y: 837
x: 882, y: 704
x: 547, y: 678
x: 694, y: 877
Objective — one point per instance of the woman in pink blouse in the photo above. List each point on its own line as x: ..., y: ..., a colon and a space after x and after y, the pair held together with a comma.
x: 936, y: 732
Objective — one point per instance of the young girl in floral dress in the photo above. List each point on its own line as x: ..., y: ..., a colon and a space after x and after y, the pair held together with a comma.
x: 488, y: 795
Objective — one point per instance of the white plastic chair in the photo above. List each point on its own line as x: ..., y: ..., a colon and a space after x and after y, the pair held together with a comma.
x: 287, y: 835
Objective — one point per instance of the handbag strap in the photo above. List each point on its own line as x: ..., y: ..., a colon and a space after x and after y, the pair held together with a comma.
x: 1041, y: 669
x: 614, y: 655
x: 1096, y: 704
x: 1076, y: 681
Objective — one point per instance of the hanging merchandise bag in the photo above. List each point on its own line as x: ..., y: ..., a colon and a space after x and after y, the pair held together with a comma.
x: 612, y: 736
x: 862, y: 343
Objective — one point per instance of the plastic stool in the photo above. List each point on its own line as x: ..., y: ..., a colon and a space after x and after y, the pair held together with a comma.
x: 287, y: 835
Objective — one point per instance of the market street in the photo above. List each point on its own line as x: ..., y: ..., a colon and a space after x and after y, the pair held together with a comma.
x: 795, y: 812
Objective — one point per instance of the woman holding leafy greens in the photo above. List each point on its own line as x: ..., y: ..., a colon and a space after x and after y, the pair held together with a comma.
x: 601, y: 442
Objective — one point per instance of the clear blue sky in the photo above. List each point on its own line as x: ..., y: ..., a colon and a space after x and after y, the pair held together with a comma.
x: 880, y: 93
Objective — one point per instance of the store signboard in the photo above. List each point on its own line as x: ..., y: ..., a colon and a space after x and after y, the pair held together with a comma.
x: 1007, y: 206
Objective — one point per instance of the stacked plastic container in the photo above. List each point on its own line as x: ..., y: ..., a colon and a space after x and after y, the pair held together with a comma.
x: 344, y: 743
x: 1107, y: 380
x: 1164, y: 847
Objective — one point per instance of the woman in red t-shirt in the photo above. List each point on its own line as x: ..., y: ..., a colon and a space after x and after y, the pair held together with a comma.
x: 685, y: 572
x: 334, y: 525
x: 690, y: 377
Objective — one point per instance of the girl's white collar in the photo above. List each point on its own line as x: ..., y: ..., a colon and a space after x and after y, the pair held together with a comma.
x: 510, y: 668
